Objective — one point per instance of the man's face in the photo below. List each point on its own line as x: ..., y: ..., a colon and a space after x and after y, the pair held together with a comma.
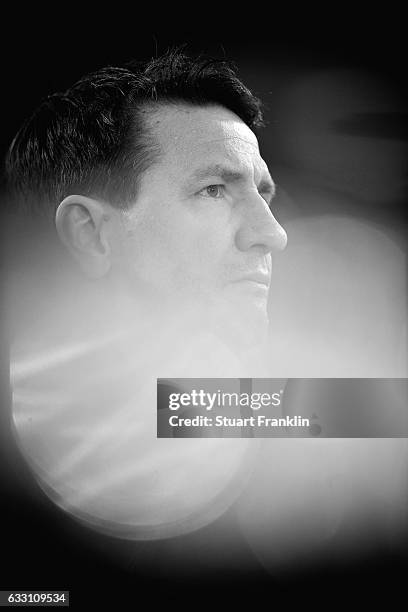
x: 201, y: 230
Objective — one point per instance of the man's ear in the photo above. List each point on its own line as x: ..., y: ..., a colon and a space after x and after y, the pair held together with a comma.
x: 82, y: 226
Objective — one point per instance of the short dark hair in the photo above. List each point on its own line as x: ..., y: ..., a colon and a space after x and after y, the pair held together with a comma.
x: 92, y: 139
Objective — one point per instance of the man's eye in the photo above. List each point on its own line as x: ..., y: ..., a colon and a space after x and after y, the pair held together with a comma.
x: 212, y: 191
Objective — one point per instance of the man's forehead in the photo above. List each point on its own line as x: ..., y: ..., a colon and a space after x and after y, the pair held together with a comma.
x: 191, y: 133
x: 176, y: 123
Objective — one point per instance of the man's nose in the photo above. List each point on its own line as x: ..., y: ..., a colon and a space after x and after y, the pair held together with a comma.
x: 259, y: 228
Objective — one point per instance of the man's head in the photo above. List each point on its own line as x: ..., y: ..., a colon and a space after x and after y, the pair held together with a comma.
x: 154, y: 177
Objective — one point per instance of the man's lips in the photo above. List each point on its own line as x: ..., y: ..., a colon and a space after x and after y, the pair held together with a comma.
x: 259, y: 278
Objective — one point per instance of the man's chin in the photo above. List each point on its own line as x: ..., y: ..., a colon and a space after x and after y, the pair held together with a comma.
x: 242, y: 326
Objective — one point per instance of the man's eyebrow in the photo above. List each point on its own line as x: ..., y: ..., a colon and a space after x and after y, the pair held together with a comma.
x: 225, y: 173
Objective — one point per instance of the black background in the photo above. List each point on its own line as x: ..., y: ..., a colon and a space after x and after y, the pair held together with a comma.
x: 46, y: 51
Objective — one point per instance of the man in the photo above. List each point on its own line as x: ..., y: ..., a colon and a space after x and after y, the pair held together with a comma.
x: 155, y: 180
x: 151, y: 177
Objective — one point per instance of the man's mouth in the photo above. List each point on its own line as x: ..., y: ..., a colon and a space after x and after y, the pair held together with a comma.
x: 258, y: 278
